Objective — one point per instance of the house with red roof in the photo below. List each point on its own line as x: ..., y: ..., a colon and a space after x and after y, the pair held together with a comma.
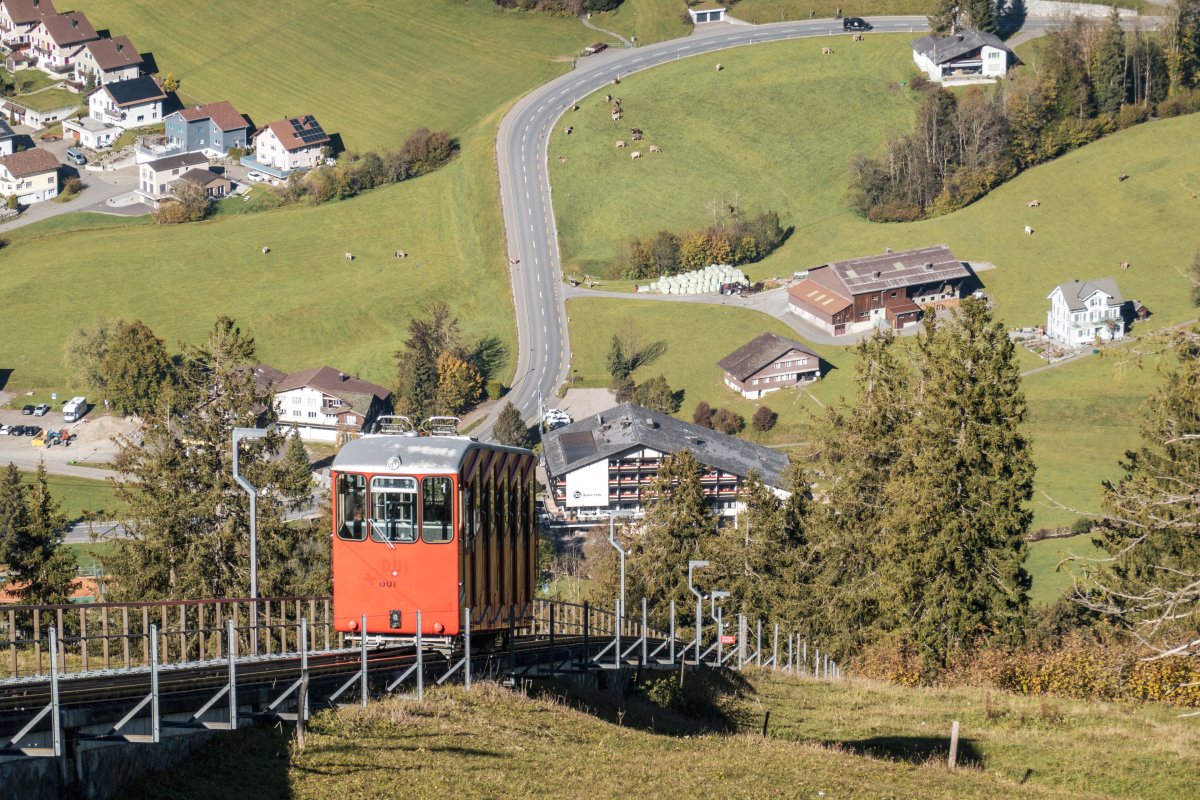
x: 323, y: 403
x: 210, y: 129
x: 58, y: 40
x: 32, y: 175
x: 18, y: 18
x: 108, y: 61
x: 291, y: 144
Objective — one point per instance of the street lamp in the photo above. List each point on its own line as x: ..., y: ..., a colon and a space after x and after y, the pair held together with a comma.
x: 693, y: 565
x: 238, y: 435
x: 612, y: 538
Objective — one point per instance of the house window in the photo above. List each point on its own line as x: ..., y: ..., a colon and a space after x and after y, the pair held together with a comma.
x: 755, y: 383
x: 312, y: 401
x: 312, y: 415
x: 296, y: 400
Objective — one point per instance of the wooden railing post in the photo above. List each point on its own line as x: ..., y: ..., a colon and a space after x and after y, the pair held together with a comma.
x: 62, y: 646
x: 125, y: 636
x: 12, y: 641
x: 37, y: 641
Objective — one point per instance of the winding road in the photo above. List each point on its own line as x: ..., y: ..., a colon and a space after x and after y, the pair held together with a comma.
x: 544, y: 353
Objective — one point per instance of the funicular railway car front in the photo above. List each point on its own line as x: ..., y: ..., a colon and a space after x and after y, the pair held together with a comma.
x: 436, y: 524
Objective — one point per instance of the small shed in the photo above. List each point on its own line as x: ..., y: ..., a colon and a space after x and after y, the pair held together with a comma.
x: 706, y: 12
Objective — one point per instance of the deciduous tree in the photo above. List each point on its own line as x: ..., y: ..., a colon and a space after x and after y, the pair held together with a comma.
x: 460, y: 386
x: 764, y: 419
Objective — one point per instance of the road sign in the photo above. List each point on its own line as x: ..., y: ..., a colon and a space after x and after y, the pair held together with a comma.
x: 728, y: 639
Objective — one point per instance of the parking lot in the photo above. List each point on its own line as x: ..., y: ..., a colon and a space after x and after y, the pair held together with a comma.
x: 94, y: 442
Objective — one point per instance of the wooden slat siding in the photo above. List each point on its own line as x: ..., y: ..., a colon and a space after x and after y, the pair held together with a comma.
x: 83, y: 637
x: 201, y: 633
x: 219, y: 638
x: 125, y: 636
x: 183, y: 650
x: 146, y: 635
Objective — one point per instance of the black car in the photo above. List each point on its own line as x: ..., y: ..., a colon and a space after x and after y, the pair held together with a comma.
x: 27, y: 411
x: 16, y: 430
x: 32, y: 430
x: 855, y: 24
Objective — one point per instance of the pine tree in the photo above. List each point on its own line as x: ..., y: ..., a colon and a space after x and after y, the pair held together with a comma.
x: 14, y: 513
x: 296, y: 479
x: 1151, y: 582
x: 416, y: 365
x: 509, y: 428
x: 945, y: 17
x: 39, y: 566
x: 955, y: 517
x: 135, y: 367
x: 656, y: 395
x: 1107, y: 70
x: 617, y: 363
x: 982, y: 14
x: 677, y: 519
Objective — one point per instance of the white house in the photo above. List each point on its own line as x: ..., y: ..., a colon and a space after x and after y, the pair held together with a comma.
x: 108, y: 61
x: 91, y: 132
x: 128, y: 104
x: 156, y: 178
x: 768, y: 363
x: 322, y: 402
x: 6, y: 139
x: 18, y: 18
x: 58, y: 40
x: 1082, y: 311
x: 969, y: 55
x: 32, y: 175
x: 290, y: 144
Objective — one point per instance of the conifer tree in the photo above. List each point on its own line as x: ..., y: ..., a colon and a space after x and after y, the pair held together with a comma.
x: 1108, y: 72
x: 296, y: 479
x: 510, y: 428
x: 39, y: 566
x: 982, y: 14
x: 955, y: 516
x: 945, y: 17
x: 14, y: 513
x: 135, y: 367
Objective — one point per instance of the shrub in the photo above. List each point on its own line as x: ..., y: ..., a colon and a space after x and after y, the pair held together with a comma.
x: 703, y: 415
x: 1133, y: 114
x: 728, y: 421
x: 72, y: 186
x: 495, y: 390
x: 764, y: 419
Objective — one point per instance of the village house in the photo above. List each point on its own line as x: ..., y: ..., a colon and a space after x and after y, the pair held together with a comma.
x: 155, y: 178
x: 767, y: 363
x: 888, y: 290
x: 211, y: 129
x: 323, y: 403
x: 91, y: 132
x: 133, y: 103
x: 289, y: 144
x: 7, y: 135
x: 1082, y: 312
x: 969, y: 55
x: 215, y: 186
x: 36, y: 118
x: 603, y: 463
x: 58, y: 40
x: 108, y: 61
x: 31, y: 175
x: 18, y: 18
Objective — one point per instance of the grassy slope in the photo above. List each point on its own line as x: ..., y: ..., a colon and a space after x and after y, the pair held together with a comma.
x: 1045, y: 562
x: 77, y: 495
x: 490, y: 743
x: 649, y: 20
x: 304, y: 303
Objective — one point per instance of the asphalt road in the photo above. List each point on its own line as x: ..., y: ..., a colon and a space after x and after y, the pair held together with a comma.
x: 544, y: 352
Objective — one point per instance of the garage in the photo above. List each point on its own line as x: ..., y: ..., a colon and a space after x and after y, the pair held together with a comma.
x: 707, y: 13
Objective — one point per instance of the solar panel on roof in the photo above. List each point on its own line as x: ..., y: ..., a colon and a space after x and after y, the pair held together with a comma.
x: 577, y: 445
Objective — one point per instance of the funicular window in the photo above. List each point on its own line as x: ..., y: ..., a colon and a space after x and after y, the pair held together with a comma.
x: 394, y: 509
x: 352, y: 507
x: 437, y: 510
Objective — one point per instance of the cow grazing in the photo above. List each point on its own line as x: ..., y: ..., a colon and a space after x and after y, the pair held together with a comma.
x: 616, y: 114
x: 401, y: 254
x: 562, y: 159
x: 826, y: 51
x: 266, y: 250
x: 574, y: 106
x: 1122, y: 178
x: 655, y: 148
x: 718, y: 67
x: 608, y: 98
x: 570, y: 129
x: 636, y: 154
x: 858, y: 37
x: 1032, y: 204
x: 1124, y: 265
x: 1028, y: 231
x: 621, y: 143
x: 636, y: 133
x: 349, y: 256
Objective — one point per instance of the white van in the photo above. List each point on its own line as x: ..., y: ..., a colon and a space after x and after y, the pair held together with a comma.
x: 74, y: 409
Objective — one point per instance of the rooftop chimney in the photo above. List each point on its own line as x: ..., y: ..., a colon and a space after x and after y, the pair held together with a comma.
x: 929, y: 267
x: 74, y: 22
x: 878, y: 274
x: 120, y: 47
x: 342, y: 377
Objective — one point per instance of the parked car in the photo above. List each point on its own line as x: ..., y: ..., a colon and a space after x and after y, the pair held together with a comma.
x: 41, y: 410
x: 256, y: 177
x: 4, y: 429
x: 16, y: 430
x: 76, y: 156
x: 856, y: 24
x: 27, y: 410
x: 32, y: 430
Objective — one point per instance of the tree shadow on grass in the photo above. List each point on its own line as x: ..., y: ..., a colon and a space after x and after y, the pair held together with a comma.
x: 913, y: 749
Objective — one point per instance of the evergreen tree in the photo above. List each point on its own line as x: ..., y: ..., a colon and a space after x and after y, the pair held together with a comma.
x: 945, y: 17
x: 39, y: 566
x: 1151, y: 580
x: 1183, y: 45
x: 509, y: 428
x: 296, y: 480
x: 188, y: 520
x: 677, y: 519
x: 85, y: 351
x: 1108, y: 71
x: 417, y: 368
x: 982, y: 14
x: 135, y: 367
x: 656, y: 395
x: 14, y: 513
x: 955, y: 518
x: 617, y: 363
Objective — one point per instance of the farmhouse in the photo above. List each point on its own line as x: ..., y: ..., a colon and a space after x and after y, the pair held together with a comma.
x: 108, y: 61
x: 6, y: 139
x: 289, y: 144
x: 215, y: 186
x: 18, y: 18
x: 211, y: 129
x: 1083, y: 311
x: 888, y: 290
x: 602, y: 464
x: 322, y: 402
x: 965, y: 56
x: 58, y: 40
x: 155, y: 178
x: 768, y: 363
x: 32, y: 175
x: 706, y: 12
x: 133, y: 103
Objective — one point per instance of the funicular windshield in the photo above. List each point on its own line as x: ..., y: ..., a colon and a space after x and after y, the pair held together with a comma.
x: 352, y: 507
x: 394, y: 509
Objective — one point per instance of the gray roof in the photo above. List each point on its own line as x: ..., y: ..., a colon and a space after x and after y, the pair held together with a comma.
x: 1076, y: 292
x: 437, y: 454
x: 175, y: 162
x: 897, y: 270
x: 759, y: 352
x: 629, y: 426
x: 940, y: 49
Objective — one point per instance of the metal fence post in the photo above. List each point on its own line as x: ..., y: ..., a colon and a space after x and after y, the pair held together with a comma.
x: 553, y: 656
x: 672, y: 633
x: 720, y: 633
x: 232, y: 653
x: 302, y: 711
x: 617, y: 628
x: 55, y: 711
x: 741, y: 646
x: 644, y: 631
x: 775, y: 649
x: 804, y: 661
x: 758, y: 645
x: 421, y: 659
x: 789, y: 664
x: 154, y: 718
x: 363, y: 643
x: 587, y: 622
x: 467, y: 648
